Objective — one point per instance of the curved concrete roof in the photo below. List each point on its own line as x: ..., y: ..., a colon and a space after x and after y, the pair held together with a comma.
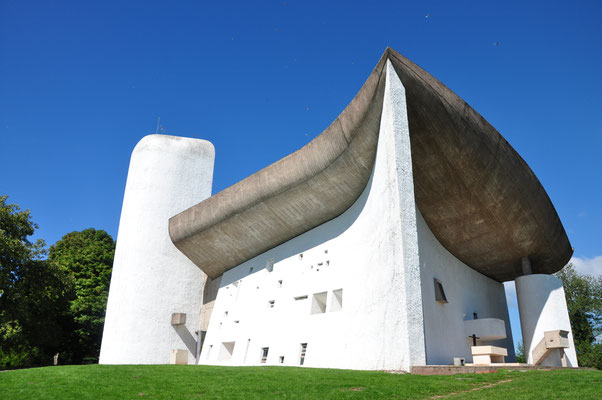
x: 478, y: 196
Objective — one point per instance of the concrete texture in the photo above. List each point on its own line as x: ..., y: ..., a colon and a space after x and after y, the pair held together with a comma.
x: 349, y: 288
x: 477, y: 195
x: 542, y: 307
x: 151, y: 279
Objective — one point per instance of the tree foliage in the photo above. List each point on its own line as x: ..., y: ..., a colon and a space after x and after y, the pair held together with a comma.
x: 87, y: 257
x: 520, y: 353
x: 55, y: 304
x: 584, y: 302
x: 33, y: 294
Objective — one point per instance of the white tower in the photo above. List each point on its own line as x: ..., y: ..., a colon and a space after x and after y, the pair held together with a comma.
x: 151, y: 279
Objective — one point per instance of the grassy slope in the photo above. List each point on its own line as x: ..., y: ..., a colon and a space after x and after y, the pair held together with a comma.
x: 191, y: 382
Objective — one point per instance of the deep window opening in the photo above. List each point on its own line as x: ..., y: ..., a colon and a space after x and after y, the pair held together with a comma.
x: 302, y: 355
x: 336, y: 300
x: 264, y: 354
x: 440, y: 292
x: 318, y: 303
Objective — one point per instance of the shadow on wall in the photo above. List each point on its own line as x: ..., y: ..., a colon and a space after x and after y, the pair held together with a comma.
x: 186, y: 337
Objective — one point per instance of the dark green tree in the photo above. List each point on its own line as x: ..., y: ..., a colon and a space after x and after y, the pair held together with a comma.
x: 33, y: 294
x: 87, y: 257
x: 584, y: 302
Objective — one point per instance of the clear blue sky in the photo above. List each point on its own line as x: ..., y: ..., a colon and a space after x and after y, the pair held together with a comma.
x: 81, y: 83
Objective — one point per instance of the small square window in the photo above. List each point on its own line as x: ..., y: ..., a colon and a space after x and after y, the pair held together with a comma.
x: 226, y: 350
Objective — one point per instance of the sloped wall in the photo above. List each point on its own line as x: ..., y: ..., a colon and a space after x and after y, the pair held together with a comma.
x: 349, y: 288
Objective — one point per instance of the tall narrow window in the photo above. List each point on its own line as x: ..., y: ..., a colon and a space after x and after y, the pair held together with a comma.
x: 302, y: 355
x: 264, y: 354
x: 439, y: 292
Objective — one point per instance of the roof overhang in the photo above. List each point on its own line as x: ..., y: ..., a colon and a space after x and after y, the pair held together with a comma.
x: 477, y: 195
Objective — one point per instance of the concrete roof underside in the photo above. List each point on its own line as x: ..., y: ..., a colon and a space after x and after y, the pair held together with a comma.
x: 478, y: 196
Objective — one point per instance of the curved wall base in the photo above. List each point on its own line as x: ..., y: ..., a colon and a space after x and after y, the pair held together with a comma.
x: 542, y: 308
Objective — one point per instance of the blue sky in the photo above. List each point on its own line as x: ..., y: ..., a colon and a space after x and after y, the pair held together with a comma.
x: 82, y: 82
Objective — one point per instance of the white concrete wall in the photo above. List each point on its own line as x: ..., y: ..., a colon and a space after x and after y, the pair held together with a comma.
x: 151, y: 279
x: 370, y: 252
x: 542, y: 307
x: 467, y: 291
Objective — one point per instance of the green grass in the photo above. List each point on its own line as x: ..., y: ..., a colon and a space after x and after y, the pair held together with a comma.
x: 205, y: 382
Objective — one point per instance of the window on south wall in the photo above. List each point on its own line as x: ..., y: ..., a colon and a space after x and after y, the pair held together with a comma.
x: 264, y: 354
x: 318, y: 303
x: 440, y: 292
x: 302, y: 354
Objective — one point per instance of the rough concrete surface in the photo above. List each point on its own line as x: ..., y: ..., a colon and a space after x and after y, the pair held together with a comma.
x: 477, y: 195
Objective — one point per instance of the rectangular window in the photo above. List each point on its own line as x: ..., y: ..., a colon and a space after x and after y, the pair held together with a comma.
x: 336, y: 300
x: 439, y: 292
x: 300, y: 297
x: 271, y: 303
x: 303, y: 351
x: 318, y: 303
x: 281, y: 359
x: 279, y: 283
x: 264, y: 354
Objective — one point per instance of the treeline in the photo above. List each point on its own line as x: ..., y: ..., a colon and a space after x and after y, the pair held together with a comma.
x: 52, y: 300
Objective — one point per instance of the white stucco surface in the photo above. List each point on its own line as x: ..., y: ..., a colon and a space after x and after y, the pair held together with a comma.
x: 542, y: 307
x: 349, y: 288
x: 467, y: 292
x: 151, y: 279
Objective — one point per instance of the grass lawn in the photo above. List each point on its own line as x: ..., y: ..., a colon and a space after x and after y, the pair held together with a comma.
x: 198, y: 382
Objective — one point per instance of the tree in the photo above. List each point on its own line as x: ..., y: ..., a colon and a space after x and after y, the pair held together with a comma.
x: 584, y: 302
x: 520, y: 353
x: 87, y: 257
x: 33, y: 305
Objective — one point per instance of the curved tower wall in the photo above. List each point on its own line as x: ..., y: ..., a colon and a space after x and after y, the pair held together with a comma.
x: 542, y: 307
x: 151, y: 279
